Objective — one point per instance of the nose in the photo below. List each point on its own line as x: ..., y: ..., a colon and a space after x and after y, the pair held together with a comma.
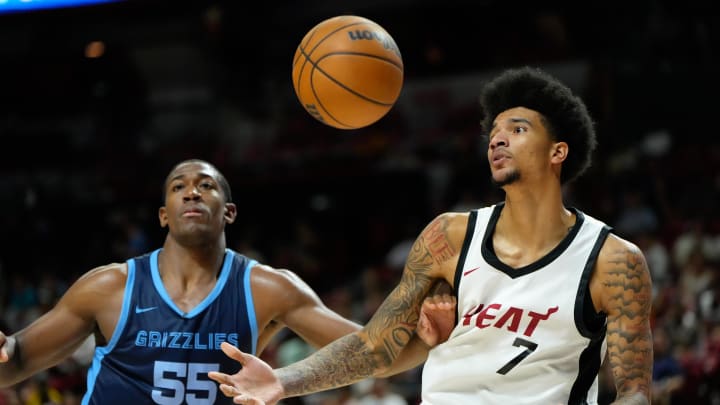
x: 498, y: 139
x: 193, y: 194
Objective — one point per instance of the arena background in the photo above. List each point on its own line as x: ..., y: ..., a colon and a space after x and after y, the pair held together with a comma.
x: 99, y: 102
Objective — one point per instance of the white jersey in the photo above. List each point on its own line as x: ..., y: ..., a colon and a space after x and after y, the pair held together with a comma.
x: 524, y: 336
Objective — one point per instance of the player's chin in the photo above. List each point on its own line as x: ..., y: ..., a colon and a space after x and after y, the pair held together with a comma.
x: 504, y: 177
x: 194, y: 233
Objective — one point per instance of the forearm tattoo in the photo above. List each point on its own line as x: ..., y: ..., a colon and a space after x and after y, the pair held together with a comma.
x: 368, y: 352
x: 628, y: 335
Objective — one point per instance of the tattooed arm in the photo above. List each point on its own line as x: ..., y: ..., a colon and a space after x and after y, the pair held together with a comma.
x: 621, y: 288
x: 370, y: 351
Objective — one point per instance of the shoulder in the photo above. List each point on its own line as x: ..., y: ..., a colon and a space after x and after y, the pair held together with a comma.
x: 109, y: 276
x: 621, y: 273
x: 436, y: 251
x: 101, y: 281
x: 97, y: 288
x: 451, y: 224
x: 618, y: 251
x: 272, y: 283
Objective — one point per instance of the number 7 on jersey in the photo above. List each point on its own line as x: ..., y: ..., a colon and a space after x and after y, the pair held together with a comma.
x: 529, y: 348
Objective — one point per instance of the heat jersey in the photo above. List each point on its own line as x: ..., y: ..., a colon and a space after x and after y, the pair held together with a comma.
x: 526, y: 335
x: 160, y: 354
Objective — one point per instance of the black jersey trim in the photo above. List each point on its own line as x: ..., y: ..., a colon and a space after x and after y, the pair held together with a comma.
x: 588, y: 322
x: 589, y: 367
x: 488, y: 251
x: 472, y: 220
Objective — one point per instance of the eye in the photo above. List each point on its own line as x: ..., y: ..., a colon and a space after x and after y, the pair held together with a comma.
x: 207, y: 185
x: 519, y: 130
x: 176, y: 187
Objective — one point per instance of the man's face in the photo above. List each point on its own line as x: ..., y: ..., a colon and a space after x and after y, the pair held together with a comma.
x: 519, y: 146
x: 195, y: 210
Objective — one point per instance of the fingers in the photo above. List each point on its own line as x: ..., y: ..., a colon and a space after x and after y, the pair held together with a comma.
x: 233, y: 352
x: 228, y: 390
x: 443, y: 302
x: 245, y: 400
x: 220, y: 378
x: 238, y: 397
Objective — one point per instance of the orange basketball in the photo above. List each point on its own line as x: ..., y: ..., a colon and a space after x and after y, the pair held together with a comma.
x: 347, y: 72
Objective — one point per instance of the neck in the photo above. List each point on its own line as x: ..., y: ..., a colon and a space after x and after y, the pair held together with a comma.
x: 191, y: 262
x: 535, y: 217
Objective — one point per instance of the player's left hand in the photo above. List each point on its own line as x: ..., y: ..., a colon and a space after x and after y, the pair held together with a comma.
x: 254, y: 384
x: 437, y: 319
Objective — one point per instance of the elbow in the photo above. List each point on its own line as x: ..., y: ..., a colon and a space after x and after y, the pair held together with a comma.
x: 382, y: 362
x: 382, y: 368
x: 637, y: 398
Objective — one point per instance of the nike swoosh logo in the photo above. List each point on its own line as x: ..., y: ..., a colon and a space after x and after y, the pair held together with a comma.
x: 139, y: 310
x: 470, y: 271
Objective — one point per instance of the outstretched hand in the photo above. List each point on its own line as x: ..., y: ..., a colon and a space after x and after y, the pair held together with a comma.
x: 254, y: 384
x: 437, y: 319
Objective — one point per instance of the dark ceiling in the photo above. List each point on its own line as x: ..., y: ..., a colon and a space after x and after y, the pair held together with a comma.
x: 41, y: 53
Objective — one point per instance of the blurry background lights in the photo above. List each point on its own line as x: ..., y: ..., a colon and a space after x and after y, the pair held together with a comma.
x: 95, y: 49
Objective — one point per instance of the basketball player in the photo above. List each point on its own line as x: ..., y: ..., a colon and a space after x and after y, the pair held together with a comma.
x: 159, y: 318
x: 543, y: 290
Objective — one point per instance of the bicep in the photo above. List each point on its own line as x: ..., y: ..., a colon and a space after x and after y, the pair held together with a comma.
x: 317, y: 324
x: 92, y: 301
x: 626, y: 296
x: 295, y: 304
x: 54, y: 336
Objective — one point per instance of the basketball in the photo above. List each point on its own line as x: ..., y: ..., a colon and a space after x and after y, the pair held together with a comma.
x: 347, y: 72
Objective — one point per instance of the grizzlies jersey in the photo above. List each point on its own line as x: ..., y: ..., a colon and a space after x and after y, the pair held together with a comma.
x: 527, y: 335
x: 160, y: 354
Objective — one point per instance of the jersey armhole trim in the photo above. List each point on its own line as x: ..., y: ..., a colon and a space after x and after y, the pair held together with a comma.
x: 584, y: 288
x: 249, y: 303
x: 472, y: 221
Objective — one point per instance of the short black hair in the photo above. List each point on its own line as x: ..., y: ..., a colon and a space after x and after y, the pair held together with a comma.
x: 222, y: 181
x: 565, y: 114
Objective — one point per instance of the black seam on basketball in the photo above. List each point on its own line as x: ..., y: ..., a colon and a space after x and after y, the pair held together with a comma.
x: 364, y: 97
x: 321, y: 106
x: 302, y: 46
x: 307, y: 54
x: 368, y: 55
x: 320, y: 103
x: 302, y: 70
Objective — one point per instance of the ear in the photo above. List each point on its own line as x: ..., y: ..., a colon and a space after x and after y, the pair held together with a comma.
x: 230, y: 213
x: 162, y: 215
x: 559, y: 152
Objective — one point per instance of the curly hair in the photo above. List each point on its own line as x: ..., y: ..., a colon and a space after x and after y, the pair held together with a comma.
x: 565, y: 115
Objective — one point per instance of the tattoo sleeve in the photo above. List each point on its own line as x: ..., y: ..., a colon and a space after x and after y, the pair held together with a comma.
x: 370, y: 351
x: 629, y: 338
